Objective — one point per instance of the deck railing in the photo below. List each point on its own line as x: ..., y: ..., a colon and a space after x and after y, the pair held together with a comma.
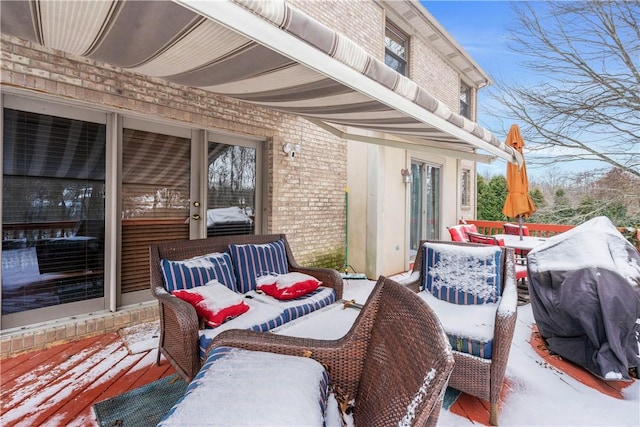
x: 546, y: 230
x: 535, y: 229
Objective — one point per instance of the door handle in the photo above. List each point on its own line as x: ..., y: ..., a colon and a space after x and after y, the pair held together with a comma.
x: 195, y: 216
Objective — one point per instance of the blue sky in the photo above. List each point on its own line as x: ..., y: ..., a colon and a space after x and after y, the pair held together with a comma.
x: 482, y: 29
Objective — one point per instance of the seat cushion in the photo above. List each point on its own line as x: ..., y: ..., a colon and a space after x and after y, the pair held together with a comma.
x: 470, y: 328
x: 462, y: 274
x: 260, y: 317
x: 189, y: 273
x: 295, y: 308
x: 251, y: 261
x: 253, y: 388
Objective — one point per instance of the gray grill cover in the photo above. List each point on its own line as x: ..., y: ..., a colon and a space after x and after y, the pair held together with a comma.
x: 585, y: 296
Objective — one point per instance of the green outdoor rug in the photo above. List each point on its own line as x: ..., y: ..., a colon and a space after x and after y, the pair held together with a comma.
x: 144, y: 406
x: 450, y: 397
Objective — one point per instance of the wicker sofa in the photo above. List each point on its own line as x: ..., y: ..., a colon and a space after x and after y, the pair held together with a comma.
x: 395, y: 361
x: 182, y: 341
x: 479, y: 370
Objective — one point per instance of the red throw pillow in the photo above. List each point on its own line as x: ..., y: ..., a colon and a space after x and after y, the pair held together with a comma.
x: 287, y: 286
x: 214, y: 302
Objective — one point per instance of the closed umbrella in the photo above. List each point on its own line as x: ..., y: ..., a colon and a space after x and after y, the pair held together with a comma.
x: 518, y: 204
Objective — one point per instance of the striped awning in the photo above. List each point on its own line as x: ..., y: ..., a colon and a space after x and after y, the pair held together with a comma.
x: 263, y: 52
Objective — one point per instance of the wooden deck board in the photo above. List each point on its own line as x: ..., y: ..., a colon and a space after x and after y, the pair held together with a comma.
x: 611, y: 388
x: 58, y: 386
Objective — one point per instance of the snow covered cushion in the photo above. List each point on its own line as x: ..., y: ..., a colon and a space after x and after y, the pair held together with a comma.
x: 462, y: 274
x: 251, y: 261
x: 469, y: 328
x: 254, y: 388
x: 214, y: 302
x: 189, y: 273
x: 298, y: 307
x: 287, y: 286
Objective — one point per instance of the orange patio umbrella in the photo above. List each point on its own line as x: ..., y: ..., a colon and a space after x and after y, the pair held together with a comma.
x: 518, y: 204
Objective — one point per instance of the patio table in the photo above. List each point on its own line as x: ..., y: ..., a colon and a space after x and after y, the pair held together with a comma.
x: 526, y: 244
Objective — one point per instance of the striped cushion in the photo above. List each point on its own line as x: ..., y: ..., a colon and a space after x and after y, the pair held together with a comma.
x: 305, y: 304
x: 187, y: 274
x: 462, y: 274
x: 471, y: 346
x: 240, y: 384
x: 470, y: 328
x: 251, y: 261
x: 261, y: 317
x: 459, y: 232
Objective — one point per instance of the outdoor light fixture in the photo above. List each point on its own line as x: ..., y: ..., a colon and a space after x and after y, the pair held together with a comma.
x: 291, y: 150
x: 406, y: 175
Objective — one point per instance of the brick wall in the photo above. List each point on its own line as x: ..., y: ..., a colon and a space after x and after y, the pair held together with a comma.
x: 39, y: 337
x: 361, y: 21
x: 305, y: 194
x: 429, y: 70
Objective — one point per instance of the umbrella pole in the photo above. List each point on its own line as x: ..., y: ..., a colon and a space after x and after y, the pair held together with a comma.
x: 520, y: 226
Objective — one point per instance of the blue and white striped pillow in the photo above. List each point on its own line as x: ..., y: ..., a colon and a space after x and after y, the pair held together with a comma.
x: 251, y: 261
x: 189, y: 273
x: 462, y: 274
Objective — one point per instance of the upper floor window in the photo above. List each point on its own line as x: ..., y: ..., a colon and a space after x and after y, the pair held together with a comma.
x: 396, y: 46
x: 465, y: 101
x: 466, y: 188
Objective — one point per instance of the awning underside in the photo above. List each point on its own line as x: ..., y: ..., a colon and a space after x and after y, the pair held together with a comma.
x: 251, y: 51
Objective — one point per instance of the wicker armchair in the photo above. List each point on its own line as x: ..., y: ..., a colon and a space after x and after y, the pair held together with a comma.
x: 394, y: 349
x: 474, y: 375
x: 179, y: 324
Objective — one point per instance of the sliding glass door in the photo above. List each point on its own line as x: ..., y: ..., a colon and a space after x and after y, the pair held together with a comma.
x: 53, y: 212
x: 424, y: 215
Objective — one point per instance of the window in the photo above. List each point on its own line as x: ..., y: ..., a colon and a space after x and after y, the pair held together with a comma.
x: 465, y: 101
x: 231, y: 185
x: 466, y: 188
x: 52, y: 211
x: 396, y: 45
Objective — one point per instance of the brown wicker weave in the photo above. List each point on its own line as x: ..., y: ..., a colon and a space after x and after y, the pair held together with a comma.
x: 473, y: 375
x: 382, y: 362
x: 179, y: 339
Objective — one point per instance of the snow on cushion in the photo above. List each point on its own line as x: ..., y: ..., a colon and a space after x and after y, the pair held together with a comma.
x: 295, y: 308
x: 189, y: 273
x: 462, y: 274
x: 287, y: 286
x: 261, y: 317
x: 254, y: 388
x: 251, y: 261
x: 214, y: 302
x: 469, y: 328
x: 459, y: 232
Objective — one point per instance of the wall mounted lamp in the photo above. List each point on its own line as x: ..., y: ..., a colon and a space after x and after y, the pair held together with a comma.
x: 406, y: 175
x: 291, y: 150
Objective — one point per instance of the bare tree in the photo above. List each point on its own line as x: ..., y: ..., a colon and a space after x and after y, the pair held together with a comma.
x: 587, y: 106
